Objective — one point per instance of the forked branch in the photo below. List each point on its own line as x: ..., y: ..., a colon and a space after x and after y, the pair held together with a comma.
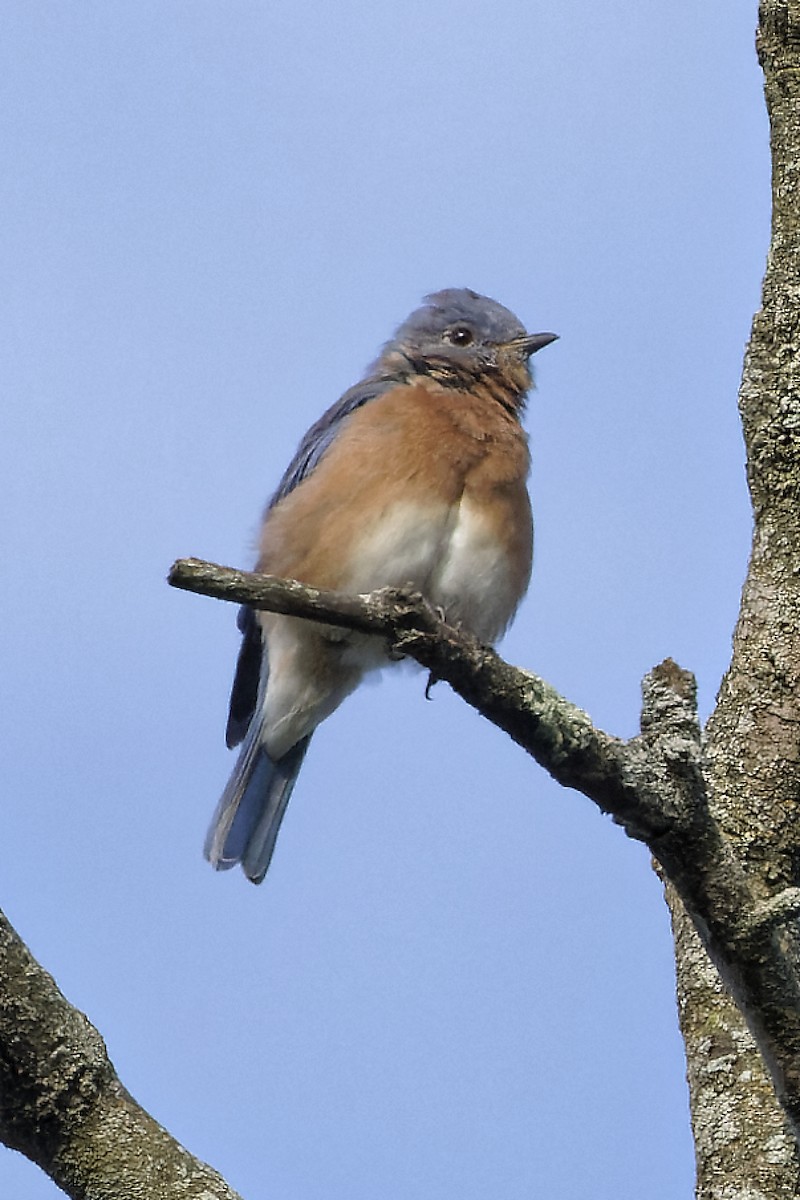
x: 654, y: 785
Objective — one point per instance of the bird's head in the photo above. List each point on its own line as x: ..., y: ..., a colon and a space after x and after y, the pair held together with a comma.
x: 459, y: 337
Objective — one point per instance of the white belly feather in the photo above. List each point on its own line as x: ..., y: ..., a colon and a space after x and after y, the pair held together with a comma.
x: 473, y: 582
x: 451, y: 555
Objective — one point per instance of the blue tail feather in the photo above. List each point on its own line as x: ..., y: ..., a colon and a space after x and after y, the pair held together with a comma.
x: 249, y: 814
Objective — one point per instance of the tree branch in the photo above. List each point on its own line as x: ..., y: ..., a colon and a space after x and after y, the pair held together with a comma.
x: 654, y: 785
x: 560, y: 736
x: 63, y: 1106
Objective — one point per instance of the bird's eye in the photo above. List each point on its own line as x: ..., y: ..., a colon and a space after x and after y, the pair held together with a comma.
x: 461, y: 335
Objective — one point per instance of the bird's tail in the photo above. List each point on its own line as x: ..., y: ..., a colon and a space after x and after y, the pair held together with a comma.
x: 249, y: 814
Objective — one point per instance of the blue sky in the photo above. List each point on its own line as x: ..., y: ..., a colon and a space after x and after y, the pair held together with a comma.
x: 457, y: 979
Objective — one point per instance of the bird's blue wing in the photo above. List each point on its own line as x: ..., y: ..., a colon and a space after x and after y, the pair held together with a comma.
x: 244, y: 693
x: 323, y: 432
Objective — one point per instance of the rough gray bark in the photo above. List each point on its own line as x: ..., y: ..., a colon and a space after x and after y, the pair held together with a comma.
x: 752, y: 744
x: 719, y: 812
x: 62, y: 1105
x: 744, y: 1147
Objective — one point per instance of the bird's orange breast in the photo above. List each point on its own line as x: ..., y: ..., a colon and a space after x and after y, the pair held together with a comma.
x: 383, y: 505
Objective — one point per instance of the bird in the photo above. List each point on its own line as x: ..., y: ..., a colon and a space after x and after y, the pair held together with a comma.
x: 415, y: 477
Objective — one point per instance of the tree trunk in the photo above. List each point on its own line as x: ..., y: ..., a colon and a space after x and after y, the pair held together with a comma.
x: 744, y: 1149
x: 743, y: 1144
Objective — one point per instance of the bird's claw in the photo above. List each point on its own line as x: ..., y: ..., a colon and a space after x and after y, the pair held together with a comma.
x: 432, y: 681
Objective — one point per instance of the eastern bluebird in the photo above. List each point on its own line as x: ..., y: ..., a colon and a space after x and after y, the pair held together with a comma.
x: 414, y: 477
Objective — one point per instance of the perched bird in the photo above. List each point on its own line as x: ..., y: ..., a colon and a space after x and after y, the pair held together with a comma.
x: 415, y: 476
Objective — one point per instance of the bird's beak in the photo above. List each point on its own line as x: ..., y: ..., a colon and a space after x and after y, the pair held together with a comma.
x: 532, y: 342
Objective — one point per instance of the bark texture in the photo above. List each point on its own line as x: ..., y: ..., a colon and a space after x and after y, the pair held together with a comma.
x: 744, y: 1147
x: 62, y: 1105
x: 752, y: 743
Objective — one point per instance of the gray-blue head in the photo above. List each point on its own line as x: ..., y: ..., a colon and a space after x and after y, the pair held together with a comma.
x: 459, y: 337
